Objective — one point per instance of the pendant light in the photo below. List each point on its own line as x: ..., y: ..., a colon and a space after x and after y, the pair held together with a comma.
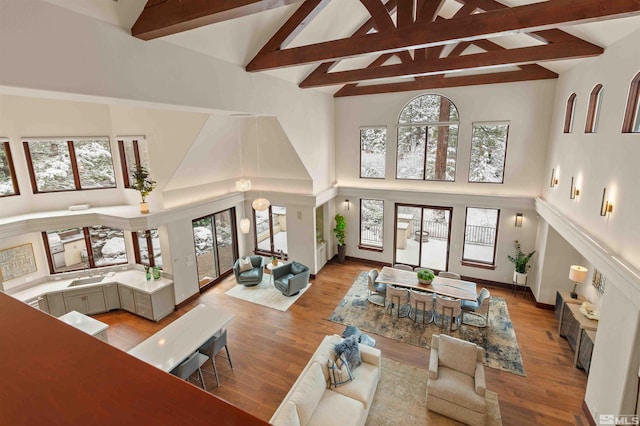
x: 245, y: 225
x: 242, y: 185
x: 259, y: 204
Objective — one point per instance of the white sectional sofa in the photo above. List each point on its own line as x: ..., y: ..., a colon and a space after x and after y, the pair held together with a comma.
x: 310, y: 402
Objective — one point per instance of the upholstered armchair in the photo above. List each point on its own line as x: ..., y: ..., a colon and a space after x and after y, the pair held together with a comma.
x: 456, y: 386
x: 479, y: 307
x: 290, y: 278
x: 251, y: 276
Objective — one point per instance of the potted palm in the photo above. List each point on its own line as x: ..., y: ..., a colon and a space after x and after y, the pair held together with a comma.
x: 339, y: 231
x: 144, y: 185
x: 520, y: 262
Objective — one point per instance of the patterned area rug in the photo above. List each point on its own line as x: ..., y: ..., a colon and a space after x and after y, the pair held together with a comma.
x: 265, y: 294
x: 401, y: 399
x: 498, y: 339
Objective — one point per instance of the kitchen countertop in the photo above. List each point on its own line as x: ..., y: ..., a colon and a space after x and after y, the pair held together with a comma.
x: 131, y: 278
x: 83, y: 322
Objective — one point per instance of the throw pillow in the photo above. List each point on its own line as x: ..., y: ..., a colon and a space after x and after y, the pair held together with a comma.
x: 245, y: 264
x: 351, y: 350
x: 297, y: 268
x: 339, y: 372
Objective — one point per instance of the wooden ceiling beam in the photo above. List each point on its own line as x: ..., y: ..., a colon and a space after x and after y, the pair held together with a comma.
x: 428, y: 10
x: 380, y: 15
x: 530, y: 17
x: 162, y: 18
x: 518, y: 56
x: 437, y: 82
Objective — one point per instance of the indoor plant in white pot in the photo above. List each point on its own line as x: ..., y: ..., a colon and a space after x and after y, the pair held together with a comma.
x: 144, y: 185
x: 520, y: 261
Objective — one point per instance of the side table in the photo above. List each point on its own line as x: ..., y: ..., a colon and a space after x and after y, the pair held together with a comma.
x: 562, y: 299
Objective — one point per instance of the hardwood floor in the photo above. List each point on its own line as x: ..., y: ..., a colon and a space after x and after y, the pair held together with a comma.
x: 269, y: 349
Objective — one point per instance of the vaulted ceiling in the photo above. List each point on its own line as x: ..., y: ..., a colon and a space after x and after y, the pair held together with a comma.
x: 358, y: 47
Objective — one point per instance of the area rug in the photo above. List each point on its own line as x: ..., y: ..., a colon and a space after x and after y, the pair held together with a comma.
x: 498, y: 339
x: 401, y: 399
x: 265, y: 294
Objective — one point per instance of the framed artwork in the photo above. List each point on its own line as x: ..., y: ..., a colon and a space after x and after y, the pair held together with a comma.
x: 598, y: 281
x: 16, y: 262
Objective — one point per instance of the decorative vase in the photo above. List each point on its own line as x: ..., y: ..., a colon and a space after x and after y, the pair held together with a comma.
x: 421, y: 281
x: 156, y: 273
x: 519, y: 278
x: 274, y: 261
x: 342, y: 253
x: 144, y: 208
x: 147, y: 273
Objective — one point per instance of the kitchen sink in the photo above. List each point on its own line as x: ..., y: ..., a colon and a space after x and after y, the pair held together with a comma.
x: 84, y: 281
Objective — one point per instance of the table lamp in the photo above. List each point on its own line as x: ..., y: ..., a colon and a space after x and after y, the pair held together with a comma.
x: 577, y: 274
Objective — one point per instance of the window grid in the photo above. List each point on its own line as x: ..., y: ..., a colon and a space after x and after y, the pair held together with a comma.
x: 146, y: 238
x: 373, y: 148
x: 371, y: 224
x: 131, y: 147
x: 8, y: 180
x: 488, y: 159
x: 480, y: 237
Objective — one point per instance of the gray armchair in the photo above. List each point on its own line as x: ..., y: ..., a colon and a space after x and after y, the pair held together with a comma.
x: 290, y: 278
x: 252, y: 276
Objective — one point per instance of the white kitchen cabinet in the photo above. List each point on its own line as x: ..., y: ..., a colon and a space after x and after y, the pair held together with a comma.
x: 55, y: 304
x: 87, y: 301
x: 156, y: 305
x: 127, y: 301
x: 111, y: 296
x: 321, y: 255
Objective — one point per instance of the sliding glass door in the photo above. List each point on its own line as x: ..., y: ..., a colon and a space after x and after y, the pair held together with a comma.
x: 423, y: 235
x: 215, y: 243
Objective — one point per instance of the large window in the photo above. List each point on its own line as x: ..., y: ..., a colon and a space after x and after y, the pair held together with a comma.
x: 595, y: 99
x: 8, y: 182
x: 67, y: 165
x: 371, y: 224
x: 147, y: 248
x: 133, y: 154
x: 271, y: 231
x: 569, y: 113
x: 73, y: 249
x: 481, y: 230
x: 427, y: 139
x: 631, y: 123
x: 373, y: 148
x: 488, y: 152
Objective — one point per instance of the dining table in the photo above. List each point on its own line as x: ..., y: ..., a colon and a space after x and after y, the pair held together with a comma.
x: 458, y: 289
x: 167, y: 348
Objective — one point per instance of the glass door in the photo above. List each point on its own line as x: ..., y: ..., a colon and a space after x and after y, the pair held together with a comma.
x: 423, y: 235
x: 214, y: 238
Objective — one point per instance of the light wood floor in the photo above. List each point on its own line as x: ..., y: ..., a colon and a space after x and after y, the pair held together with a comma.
x: 269, y: 348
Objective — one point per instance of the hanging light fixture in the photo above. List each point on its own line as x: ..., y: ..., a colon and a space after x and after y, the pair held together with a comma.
x: 259, y: 204
x: 245, y: 225
x: 242, y: 185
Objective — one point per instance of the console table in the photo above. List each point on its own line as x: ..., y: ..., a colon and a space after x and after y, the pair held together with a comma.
x: 574, y: 326
x: 562, y: 298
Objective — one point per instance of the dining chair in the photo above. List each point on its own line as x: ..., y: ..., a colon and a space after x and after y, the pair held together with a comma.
x: 397, y: 297
x: 421, y: 301
x: 448, y: 307
x: 376, y: 290
x: 211, y: 348
x: 189, y: 366
x: 402, y: 267
x: 446, y: 274
x: 479, y: 307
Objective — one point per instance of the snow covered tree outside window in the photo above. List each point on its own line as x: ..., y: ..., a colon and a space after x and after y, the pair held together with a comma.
x: 60, y: 165
x: 148, y: 248
x: 481, y: 230
x: 7, y: 185
x: 107, y: 245
x: 133, y: 152
x: 371, y: 223
x: 427, y: 139
x: 373, y: 148
x: 488, y: 152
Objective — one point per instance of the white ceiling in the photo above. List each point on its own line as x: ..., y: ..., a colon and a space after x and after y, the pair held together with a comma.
x: 239, y: 40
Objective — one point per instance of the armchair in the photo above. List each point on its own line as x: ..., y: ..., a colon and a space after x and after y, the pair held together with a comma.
x: 251, y: 276
x: 290, y: 278
x: 456, y: 386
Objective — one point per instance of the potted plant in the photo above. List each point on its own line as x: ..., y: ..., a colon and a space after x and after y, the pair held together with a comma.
x: 520, y: 261
x: 143, y: 185
x: 425, y: 276
x: 339, y: 230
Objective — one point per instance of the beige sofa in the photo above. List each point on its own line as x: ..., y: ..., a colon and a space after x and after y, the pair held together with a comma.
x: 310, y: 402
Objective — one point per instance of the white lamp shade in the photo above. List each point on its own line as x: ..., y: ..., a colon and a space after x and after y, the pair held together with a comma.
x: 260, y: 204
x: 243, y: 185
x: 245, y: 225
x: 578, y: 273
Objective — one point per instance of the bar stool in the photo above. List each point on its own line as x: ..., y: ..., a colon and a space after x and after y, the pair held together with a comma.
x: 448, y: 307
x: 424, y: 302
x: 211, y: 348
x: 189, y: 366
x: 396, y: 297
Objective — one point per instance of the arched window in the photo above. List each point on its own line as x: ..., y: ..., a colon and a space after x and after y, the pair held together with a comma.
x: 595, y: 99
x: 568, y: 115
x: 631, y: 123
x: 427, y: 139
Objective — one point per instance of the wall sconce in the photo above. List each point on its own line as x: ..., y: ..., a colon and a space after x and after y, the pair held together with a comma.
x: 346, y: 204
x: 605, y: 206
x: 519, y: 219
x: 574, y: 190
x: 554, y: 179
